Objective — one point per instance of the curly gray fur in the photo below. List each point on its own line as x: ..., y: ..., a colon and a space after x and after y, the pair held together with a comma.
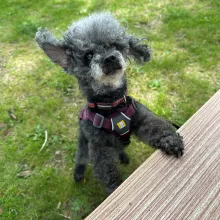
x: 95, y: 50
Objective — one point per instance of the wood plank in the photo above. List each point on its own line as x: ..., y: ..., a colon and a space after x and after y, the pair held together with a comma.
x: 164, y: 187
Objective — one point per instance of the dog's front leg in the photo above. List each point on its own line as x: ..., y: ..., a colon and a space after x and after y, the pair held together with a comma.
x: 104, y: 162
x: 156, y: 131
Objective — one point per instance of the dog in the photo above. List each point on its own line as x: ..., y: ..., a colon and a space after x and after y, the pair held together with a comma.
x: 96, y: 50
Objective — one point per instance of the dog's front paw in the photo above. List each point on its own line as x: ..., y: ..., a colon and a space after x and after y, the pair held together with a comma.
x: 172, y: 145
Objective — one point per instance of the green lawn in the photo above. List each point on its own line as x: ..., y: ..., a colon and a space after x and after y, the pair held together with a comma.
x: 37, y: 97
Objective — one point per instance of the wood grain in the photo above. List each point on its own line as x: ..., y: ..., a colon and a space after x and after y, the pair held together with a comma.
x: 164, y: 187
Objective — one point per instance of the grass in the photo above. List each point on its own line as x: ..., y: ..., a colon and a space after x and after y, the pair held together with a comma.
x: 183, y: 74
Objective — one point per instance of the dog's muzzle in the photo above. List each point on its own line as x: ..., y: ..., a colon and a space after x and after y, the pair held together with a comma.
x: 111, y: 64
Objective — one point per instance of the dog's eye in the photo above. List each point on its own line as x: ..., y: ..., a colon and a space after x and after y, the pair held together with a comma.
x: 89, y: 57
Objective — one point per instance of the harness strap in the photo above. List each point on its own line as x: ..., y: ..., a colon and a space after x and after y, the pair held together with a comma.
x: 107, y: 106
x: 98, y: 120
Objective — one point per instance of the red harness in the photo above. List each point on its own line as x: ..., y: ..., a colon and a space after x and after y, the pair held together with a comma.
x: 118, y: 123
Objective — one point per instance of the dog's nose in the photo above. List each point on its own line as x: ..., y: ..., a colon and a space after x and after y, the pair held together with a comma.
x: 110, y: 59
x: 111, y: 64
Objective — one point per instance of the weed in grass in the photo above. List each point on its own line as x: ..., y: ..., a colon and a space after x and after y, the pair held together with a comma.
x: 154, y: 84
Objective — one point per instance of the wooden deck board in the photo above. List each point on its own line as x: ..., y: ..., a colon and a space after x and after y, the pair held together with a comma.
x: 167, y: 188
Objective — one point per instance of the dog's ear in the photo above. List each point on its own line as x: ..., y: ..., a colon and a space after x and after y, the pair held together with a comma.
x: 141, y: 52
x: 53, y: 48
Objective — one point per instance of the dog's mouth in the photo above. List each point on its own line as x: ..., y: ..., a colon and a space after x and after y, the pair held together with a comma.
x: 111, y: 65
x: 111, y: 70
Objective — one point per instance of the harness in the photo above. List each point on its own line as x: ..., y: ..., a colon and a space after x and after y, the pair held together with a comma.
x: 119, y: 122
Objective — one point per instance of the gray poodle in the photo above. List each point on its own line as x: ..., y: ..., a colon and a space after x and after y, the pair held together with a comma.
x: 95, y: 50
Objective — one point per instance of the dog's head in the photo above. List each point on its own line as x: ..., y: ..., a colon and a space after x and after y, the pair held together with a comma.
x: 95, y: 50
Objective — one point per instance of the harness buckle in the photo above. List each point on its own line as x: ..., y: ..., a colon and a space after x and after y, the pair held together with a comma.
x: 98, y: 120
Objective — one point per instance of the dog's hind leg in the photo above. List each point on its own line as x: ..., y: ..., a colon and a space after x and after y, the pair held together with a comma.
x: 104, y: 162
x: 81, y: 158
